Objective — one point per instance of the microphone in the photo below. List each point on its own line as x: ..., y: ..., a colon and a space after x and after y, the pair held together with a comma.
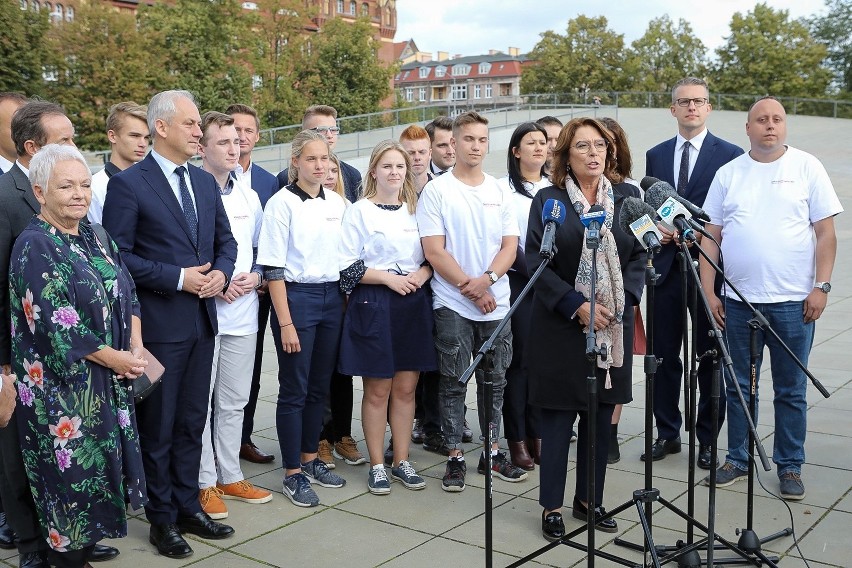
x: 675, y: 217
x: 593, y: 221
x: 657, y: 191
x: 552, y: 216
x: 636, y: 217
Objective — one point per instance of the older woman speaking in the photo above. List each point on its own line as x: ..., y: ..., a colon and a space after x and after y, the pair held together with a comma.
x: 76, y: 334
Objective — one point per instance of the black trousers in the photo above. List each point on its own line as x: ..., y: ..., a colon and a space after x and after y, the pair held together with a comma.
x: 426, y: 402
x: 556, y: 426
x: 337, y: 422
x: 70, y: 559
x: 520, y: 420
x: 250, y: 407
x: 668, y: 382
x: 15, y: 489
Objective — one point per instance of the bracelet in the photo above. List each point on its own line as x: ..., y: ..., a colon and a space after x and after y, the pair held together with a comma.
x: 286, y: 324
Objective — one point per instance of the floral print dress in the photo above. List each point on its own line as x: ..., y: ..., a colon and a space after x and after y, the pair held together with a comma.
x: 70, y: 296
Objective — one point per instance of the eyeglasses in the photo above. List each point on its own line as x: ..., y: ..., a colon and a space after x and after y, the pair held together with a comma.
x: 697, y: 102
x: 324, y: 129
x: 584, y: 146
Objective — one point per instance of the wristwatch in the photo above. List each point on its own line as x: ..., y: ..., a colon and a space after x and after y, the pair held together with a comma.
x: 824, y: 286
x: 492, y: 277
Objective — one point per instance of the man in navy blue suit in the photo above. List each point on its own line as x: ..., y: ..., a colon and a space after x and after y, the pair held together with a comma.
x: 688, y: 162
x: 167, y: 218
x: 265, y: 185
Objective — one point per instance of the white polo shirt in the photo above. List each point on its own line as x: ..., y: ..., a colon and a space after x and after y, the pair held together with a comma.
x: 521, y: 204
x: 383, y: 239
x: 301, y: 235
x: 473, y: 220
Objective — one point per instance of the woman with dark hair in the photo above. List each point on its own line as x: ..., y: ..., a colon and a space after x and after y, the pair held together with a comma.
x: 525, y: 162
x: 620, y: 175
x: 561, y: 312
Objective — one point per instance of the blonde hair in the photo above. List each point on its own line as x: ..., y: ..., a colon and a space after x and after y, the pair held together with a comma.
x: 338, y: 185
x: 301, y: 140
x: 408, y: 193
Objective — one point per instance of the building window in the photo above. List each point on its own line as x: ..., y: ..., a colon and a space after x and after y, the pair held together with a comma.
x: 409, y: 94
x: 460, y: 70
x: 365, y: 9
x: 24, y: 4
x: 339, y: 6
x: 352, y: 8
x: 488, y: 91
x: 459, y: 92
x: 49, y: 74
x: 422, y: 96
x: 69, y: 14
x: 424, y: 72
x: 477, y: 91
x: 256, y: 82
x: 439, y: 93
x: 505, y: 89
x: 484, y: 68
x: 35, y: 5
x: 249, y: 5
x: 440, y: 71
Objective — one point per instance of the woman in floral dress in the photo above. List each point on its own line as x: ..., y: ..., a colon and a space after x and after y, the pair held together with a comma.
x: 76, y: 335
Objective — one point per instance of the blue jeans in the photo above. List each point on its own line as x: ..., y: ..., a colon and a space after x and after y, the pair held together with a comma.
x: 457, y: 339
x: 788, y: 381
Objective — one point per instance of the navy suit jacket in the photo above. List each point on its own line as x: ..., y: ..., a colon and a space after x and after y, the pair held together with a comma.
x: 146, y: 221
x: 263, y: 183
x: 659, y: 163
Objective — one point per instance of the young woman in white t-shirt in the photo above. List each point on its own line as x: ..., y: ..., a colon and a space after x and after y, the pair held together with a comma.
x: 387, y: 330
x: 298, y: 247
x: 525, y: 162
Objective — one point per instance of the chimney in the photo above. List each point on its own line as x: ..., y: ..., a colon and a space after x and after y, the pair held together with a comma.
x: 457, y: 56
x: 514, y: 51
x: 443, y: 55
x: 493, y: 51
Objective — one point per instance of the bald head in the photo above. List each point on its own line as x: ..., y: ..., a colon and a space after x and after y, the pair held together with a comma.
x: 767, y: 129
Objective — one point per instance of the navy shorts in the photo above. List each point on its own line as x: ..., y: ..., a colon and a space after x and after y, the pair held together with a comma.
x: 385, y: 332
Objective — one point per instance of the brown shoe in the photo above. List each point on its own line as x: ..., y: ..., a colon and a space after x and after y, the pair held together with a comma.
x: 347, y: 450
x: 521, y: 456
x: 534, y: 448
x: 324, y: 452
x: 253, y: 454
x: 212, y: 504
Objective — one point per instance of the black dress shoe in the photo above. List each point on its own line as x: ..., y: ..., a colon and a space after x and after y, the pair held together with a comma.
x: 7, y: 535
x: 552, y: 526
x: 706, y: 459
x: 34, y: 560
x: 200, y: 524
x: 253, y: 454
x: 102, y: 553
x: 662, y: 447
x: 581, y: 512
x: 168, y: 541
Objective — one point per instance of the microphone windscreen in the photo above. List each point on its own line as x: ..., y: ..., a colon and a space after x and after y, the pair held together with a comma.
x: 631, y: 209
x: 647, y: 182
x: 657, y: 194
x: 554, y: 210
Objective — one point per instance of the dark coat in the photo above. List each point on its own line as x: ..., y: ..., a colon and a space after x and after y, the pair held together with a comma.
x: 659, y: 162
x: 556, y: 346
x: 263, y: 183
x: 17, y: 207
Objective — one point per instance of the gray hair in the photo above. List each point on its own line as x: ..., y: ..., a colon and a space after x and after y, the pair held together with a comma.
x: 690, y: 81
x: 43, y: 162
x: 162, y: 107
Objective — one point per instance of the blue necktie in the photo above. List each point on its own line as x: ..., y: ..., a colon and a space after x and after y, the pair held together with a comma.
x: 683, y: 174
x: 186, y: 204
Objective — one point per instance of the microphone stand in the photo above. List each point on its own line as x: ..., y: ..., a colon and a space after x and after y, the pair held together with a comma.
x: 488, y: 397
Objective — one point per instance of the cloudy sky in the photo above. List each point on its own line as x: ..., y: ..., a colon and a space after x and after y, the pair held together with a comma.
x: 472, y: 27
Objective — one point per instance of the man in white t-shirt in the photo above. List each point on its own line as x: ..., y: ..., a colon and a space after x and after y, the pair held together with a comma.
x: 773, y: 214
x: 470, y: 237
x: 220, y: 476
x: 127, y: 130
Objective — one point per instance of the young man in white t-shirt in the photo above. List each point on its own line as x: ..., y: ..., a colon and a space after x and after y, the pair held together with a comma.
x: 470, y: 237
x: 220, y: 476
x: 773, y: 213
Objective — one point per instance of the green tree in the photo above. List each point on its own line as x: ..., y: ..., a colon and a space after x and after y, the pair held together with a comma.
x: 105, y: 61
x: 203, y: 46
x: 281, y: 93
x: 834, y: 30
x: 767, y: 53
x: 23, y: 48
x: 665, y: 54
x: 590, y: 56
x: 348, y: 72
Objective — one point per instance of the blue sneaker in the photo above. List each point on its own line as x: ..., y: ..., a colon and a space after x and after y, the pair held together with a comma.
x: 407, y: 476
x: 377, y: 481
x: 317, y: 472
x: 298, y: 489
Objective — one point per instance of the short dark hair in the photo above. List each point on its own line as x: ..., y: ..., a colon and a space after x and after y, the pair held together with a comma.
x: 13, y: 96
x: 238, y: 108
x: 694, y: 81
x: 210, y: 118
x: 549, y: 121
x: 513, y: 163
x: 27, y: 125
x: 466, y: 118
x: 439, y: 123
x: 319, y: 110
